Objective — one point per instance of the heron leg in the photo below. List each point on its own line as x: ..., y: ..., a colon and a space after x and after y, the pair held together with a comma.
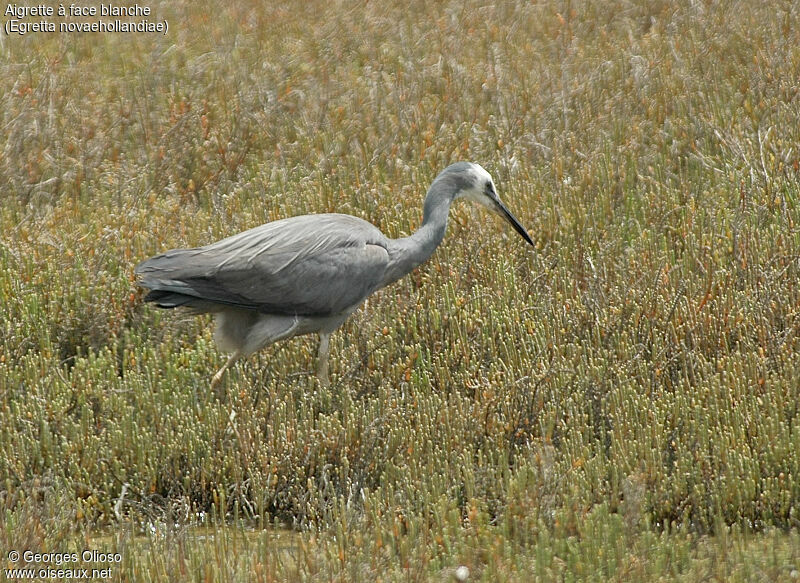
x: 322, y: 358
x: 217, y: 379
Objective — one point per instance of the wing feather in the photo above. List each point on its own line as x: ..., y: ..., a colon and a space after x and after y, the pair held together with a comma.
x: 307, y: 265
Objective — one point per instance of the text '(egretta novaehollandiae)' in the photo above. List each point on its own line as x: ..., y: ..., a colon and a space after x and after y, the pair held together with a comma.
x: 305, y: 274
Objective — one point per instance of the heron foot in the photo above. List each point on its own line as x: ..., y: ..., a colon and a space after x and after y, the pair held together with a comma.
x: 217, y: 378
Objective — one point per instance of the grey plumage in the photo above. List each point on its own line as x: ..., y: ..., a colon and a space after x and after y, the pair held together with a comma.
x: 304, y: 274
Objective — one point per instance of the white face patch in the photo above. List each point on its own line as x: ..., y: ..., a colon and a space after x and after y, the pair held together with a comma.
x: 477, y: 191
x: 481, y: 175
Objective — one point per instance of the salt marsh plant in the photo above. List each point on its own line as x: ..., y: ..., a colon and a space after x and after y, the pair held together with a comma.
x: 620, y: 404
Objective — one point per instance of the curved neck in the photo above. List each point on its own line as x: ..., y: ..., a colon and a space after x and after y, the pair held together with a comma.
x: 434, y: 223
x: 409, y: 252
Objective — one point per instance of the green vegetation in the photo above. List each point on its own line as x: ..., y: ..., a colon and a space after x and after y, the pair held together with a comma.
x: 621, y: 404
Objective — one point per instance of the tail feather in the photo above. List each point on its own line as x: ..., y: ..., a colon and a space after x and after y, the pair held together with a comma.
x: 162, y: 276
x: 187, y: 278
x: 168, y: 299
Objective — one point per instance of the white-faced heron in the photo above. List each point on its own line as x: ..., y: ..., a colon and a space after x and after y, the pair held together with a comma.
x: 305, y: 274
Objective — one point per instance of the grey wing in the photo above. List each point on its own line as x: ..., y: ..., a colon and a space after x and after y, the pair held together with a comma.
x: 308, y: 265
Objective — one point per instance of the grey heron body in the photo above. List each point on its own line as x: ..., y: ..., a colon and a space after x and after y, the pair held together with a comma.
x: 305, y: 274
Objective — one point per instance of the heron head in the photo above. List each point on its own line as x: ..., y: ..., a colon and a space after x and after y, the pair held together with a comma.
x: 478, y: 186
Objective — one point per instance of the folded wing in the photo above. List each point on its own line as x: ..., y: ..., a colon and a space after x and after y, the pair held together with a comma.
x: 308, y: 265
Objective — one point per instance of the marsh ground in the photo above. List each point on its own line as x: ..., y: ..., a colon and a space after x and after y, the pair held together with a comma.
x: 620, y: 404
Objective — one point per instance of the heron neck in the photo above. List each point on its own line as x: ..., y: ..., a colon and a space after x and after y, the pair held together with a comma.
x: 434, y: 224
x: 409, y: 252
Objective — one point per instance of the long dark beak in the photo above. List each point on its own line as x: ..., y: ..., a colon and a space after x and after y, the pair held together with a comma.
x: 503, y: 211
